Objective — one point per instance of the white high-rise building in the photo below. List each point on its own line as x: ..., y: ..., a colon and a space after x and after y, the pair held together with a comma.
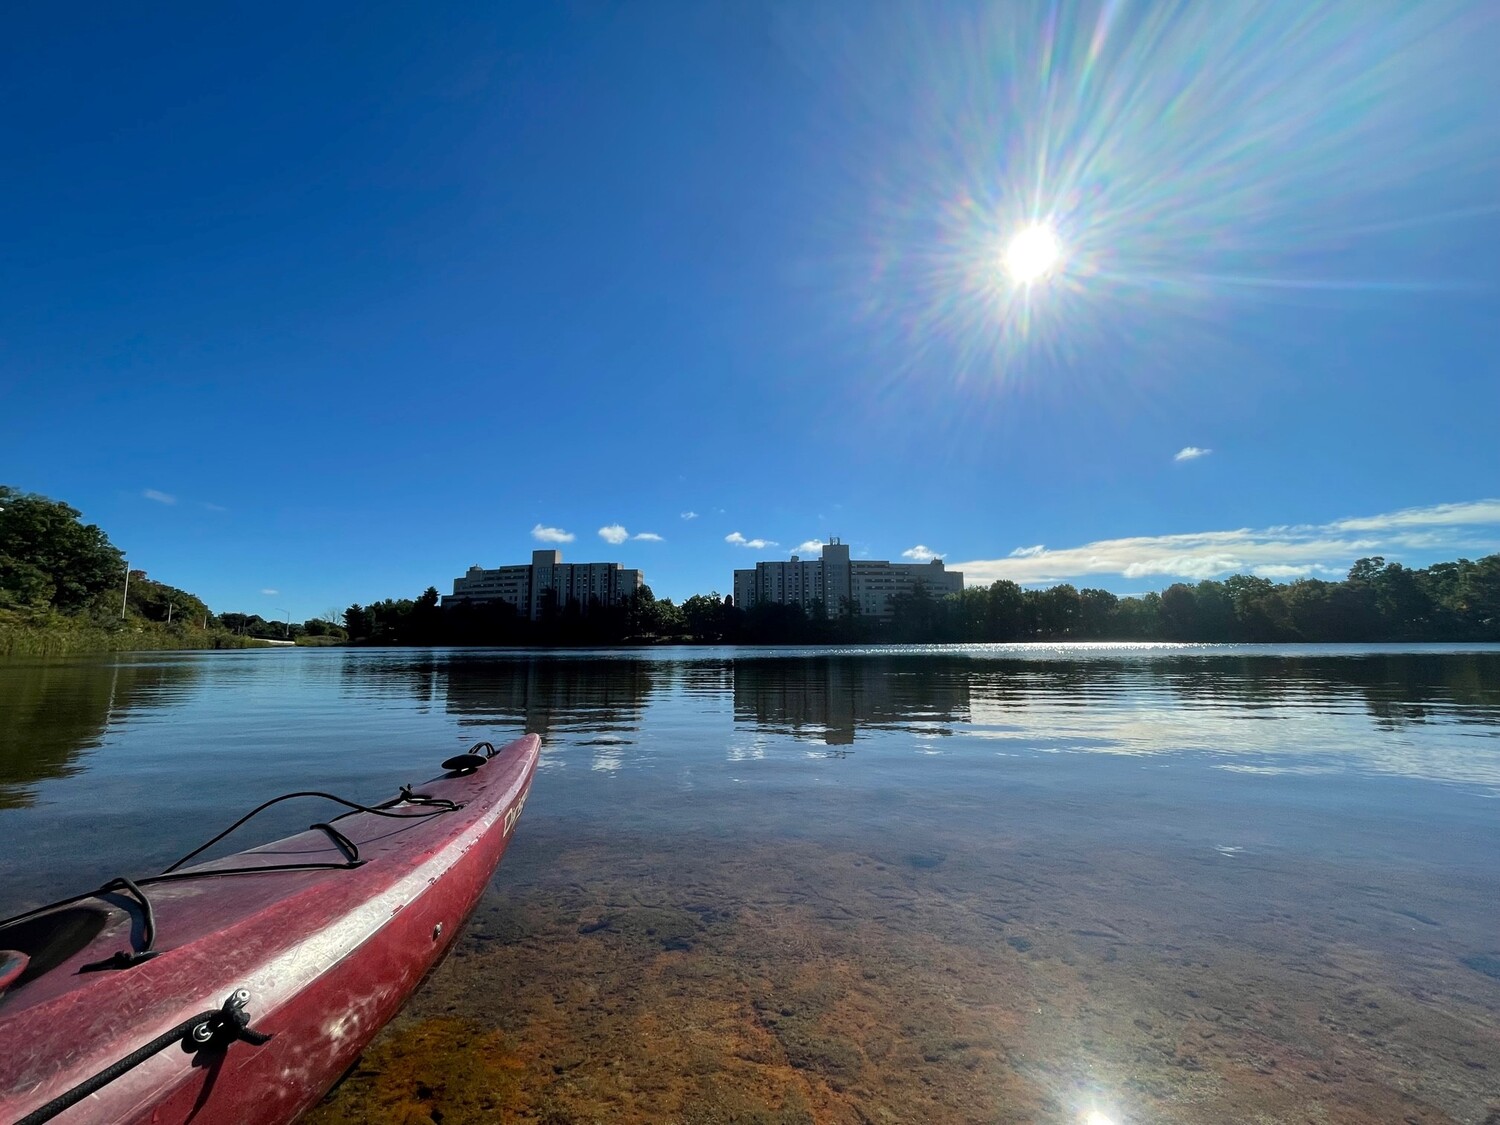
x: 865, y: 585
x: 531, y: 588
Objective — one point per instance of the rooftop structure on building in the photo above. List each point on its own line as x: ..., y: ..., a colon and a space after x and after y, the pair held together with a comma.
x: 841, y: 584
x: 546, y: 581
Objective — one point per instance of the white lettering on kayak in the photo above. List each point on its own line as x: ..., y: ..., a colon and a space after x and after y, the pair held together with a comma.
x: 513, y: 814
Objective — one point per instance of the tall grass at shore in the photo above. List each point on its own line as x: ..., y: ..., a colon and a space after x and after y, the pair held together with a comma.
x: 55, y: 634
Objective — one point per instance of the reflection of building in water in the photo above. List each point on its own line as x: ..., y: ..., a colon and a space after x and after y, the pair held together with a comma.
x: 836, y: 580
x: 540, y: 693
x: 836, y: 696
x: 530, y: 588
x: 51, y: 713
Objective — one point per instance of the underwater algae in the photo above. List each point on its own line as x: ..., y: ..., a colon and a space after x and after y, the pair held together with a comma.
x: 793, y: 983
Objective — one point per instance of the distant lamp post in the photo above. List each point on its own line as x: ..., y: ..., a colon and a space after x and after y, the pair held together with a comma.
x: 287, y: 625
x: 126, y: 595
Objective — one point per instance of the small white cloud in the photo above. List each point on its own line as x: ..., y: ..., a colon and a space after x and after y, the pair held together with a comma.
x: 812, y: 546
x: 159, y: 497
x: 648, y: 537
x: 611, y: 533
x: 271, y: 593
x: 754, y: 544
x: 1190, y: 453
x: 212, y: 507
x: 1027, y: 552
x: 551, y: 534
x: 689, y: 515
x: 920, y: 553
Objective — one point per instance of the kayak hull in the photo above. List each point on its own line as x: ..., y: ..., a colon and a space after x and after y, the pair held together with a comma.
x: 327, y: 956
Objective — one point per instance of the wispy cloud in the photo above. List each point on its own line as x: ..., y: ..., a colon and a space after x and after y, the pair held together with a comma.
x: 1273, y: 552
x: 551, y: 535
x: 1190, y: 453
x: 1285, y: 570
x: 1437, y: 515
x: 755, y: 544
x: 271, y: 593
x: 648, y: 537
x: 689, y: 515
x: 920, y: 553
x: 159, y: 497
x: 212, y: 507
x: 808, y: 547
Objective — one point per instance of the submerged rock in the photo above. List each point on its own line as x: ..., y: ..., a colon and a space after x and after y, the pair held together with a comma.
x: 646, y: 925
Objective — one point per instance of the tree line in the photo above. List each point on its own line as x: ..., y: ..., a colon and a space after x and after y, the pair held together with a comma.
x: 1376, y: 601
x: 59, y: 573
x: 56, y: 571
x: 641, y: 618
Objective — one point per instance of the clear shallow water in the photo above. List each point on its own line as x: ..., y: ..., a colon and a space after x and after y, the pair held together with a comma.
x: 979, y: 883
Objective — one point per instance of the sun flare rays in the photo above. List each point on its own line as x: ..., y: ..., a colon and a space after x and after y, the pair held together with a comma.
x: 1076, y: 172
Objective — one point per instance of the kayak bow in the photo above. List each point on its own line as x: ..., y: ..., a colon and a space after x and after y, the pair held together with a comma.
x: 256, y: 979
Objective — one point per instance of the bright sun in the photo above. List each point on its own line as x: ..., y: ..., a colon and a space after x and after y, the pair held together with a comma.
x: 1032, y: 254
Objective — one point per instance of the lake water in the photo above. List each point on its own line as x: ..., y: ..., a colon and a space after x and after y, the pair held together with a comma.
x: 977, y: 884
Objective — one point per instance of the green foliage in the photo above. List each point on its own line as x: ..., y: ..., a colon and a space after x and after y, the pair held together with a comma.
x: 56, y: 634
x: 23, y: 585
x: 358, y: 621
x: 156, y: 601
x: 44, y: 544
x: 62, y: 583
x: 706, y: 617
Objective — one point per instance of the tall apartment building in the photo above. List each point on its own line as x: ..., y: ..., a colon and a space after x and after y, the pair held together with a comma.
x: 835, y: 579
x: 530, y: 588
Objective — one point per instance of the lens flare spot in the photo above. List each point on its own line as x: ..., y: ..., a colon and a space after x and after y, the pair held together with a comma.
x: 1032, y: 254
x: 1094, y: 1117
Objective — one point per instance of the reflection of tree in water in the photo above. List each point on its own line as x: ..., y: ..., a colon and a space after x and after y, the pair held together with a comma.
x: 414, y: 672
x: 50, y: 713
x: 841, y: 694
x: 1396, y: 687
x: 545, y: 693
x: 707, y: 677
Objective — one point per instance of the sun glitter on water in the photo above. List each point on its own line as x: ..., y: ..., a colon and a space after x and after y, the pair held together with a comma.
x: 1032, y: 254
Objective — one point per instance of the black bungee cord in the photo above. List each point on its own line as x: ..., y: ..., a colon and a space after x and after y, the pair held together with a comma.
x: 216, y: 1029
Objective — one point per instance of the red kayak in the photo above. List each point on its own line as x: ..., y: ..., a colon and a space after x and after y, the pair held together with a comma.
x: 239, y: 990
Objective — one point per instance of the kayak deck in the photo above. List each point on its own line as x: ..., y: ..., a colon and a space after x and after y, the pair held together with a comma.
x: 327, y: 954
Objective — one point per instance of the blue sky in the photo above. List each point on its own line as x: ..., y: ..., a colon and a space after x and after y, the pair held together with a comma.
x: 337, y: 301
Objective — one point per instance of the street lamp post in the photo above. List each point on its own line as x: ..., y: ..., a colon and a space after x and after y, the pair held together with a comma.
x: 124, y: 597
x: 287, y: 625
